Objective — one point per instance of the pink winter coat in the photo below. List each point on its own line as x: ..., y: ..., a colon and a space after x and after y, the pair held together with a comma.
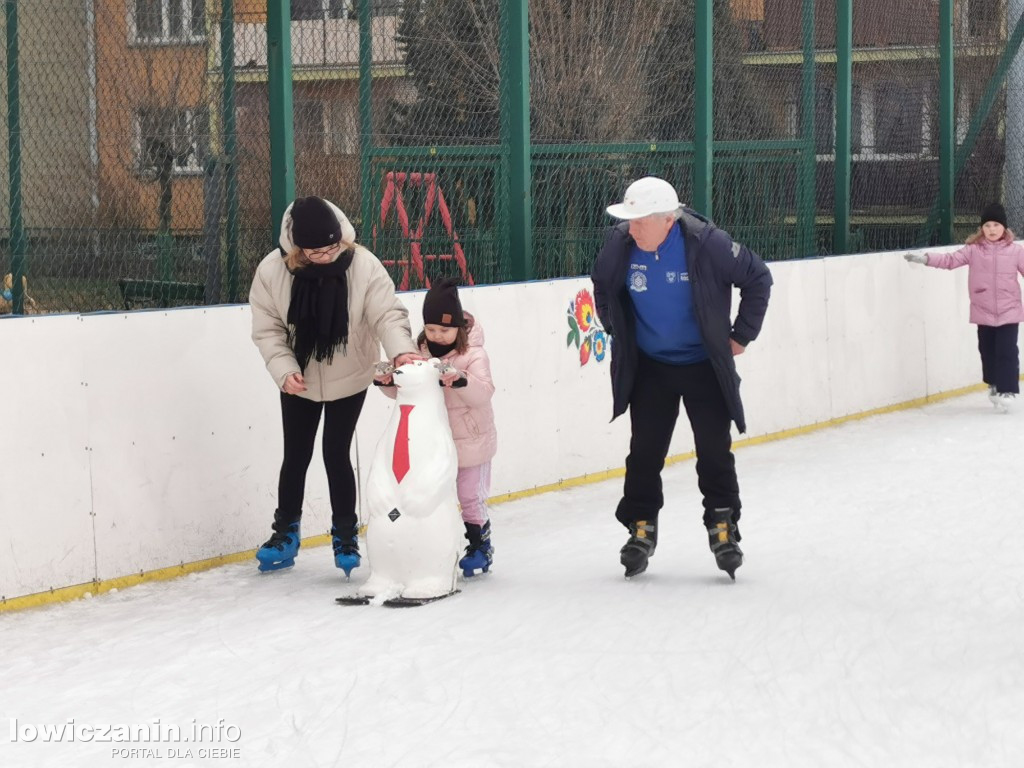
x: 469, y: 408
x: 991, y: 279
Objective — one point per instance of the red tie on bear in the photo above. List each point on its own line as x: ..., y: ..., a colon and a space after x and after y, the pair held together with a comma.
x: 400, y: 460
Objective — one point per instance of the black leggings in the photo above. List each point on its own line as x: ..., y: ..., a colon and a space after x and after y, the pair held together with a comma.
x: 301, y: 418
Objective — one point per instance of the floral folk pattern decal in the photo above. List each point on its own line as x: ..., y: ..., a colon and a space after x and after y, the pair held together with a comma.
x: 585, y: 329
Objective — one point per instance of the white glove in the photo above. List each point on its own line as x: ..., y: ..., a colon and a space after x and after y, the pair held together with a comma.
x: 916, y: 258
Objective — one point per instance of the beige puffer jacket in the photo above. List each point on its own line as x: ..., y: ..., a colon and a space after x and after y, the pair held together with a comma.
x: 376, y: 318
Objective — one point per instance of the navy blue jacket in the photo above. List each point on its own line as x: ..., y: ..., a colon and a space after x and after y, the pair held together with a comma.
x: 715, y: 264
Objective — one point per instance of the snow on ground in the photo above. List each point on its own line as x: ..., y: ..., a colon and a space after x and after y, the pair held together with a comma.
x: 876, y: 622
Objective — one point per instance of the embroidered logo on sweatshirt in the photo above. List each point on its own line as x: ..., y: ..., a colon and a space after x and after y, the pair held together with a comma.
x: 638, y: 282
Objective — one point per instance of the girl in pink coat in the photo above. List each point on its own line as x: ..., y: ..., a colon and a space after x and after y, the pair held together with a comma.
x: 455, y: 337
x: 994, y: 260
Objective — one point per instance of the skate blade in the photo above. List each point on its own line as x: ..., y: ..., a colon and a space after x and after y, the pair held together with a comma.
x: 352, y: 600
x: 272, y: 567
x: 636, y: 571
x: 411, y: 602
x: 347, y: 571
x: 730, y: 566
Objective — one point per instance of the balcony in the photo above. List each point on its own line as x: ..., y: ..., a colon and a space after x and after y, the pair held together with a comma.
x: 319, y: 44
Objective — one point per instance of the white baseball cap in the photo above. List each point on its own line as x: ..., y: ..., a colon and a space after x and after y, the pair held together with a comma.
x: 644, y: 197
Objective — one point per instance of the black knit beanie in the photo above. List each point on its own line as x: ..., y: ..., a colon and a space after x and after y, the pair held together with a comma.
x: 314, y: 224
x: 993, y: 212
x: 442, y: 306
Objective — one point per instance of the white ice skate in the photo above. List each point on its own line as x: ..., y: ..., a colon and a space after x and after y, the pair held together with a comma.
x: 1004, y: 402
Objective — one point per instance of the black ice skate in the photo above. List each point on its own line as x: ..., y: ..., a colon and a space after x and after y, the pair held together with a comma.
x: 724, y: 537
x: 643, y: 538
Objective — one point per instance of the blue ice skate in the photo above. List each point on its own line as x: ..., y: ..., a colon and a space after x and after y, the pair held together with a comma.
x: 479, y: 553
x: 346, y: 550
x: 279, y: 550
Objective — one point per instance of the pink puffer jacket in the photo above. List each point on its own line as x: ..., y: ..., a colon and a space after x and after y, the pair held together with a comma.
x: 991, y: 279
x: 469, y: 408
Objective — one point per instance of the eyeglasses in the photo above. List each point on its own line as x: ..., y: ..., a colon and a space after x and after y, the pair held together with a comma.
x: 322, y: 251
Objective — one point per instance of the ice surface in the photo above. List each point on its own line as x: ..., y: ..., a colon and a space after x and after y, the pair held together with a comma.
x: 878, y: 621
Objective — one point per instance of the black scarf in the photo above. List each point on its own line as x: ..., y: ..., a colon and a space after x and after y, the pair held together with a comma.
x: 318, y: 312
x: 440, y: 350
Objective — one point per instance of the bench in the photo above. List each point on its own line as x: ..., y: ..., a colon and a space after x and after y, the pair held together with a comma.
x: 160, y: 293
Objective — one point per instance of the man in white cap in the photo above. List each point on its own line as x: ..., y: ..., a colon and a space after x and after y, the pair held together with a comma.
x: 663, y: 286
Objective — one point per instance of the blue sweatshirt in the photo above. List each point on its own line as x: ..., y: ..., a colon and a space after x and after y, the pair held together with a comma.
x: 659, y: 286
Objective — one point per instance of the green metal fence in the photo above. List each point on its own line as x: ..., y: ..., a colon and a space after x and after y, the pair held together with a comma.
x: 152, y: 145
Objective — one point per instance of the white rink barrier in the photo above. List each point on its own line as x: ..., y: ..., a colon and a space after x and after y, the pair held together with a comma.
x: 143, y: 441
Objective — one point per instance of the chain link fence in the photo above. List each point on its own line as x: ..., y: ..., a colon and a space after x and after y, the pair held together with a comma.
x: 106, y: 182
x: 438, y: 177
x: 989, y: 156
x: 138, y: 151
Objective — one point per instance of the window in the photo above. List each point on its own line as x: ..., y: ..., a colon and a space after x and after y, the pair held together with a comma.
x: 327, y: 127
x: 180, y: 136
x: 314, y: 10
x: 167, y: 21
x: 340, y: 9
x: 344, y: 136
x: 898, y: 113
x: 791, y: 117
x: 310, y: 136
x: 857, y: 119
x: 387, y: 7
x: 963, y: 114
x: 887, y: 118
x: 983, y: 18
x: 307, y: 10
x: 824, y: 120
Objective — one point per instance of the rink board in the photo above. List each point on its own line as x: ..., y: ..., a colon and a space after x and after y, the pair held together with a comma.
x: 45, y: 495
x: 183, y: 438
x: 141, y: 441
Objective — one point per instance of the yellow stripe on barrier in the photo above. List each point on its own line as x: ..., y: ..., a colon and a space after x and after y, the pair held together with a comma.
x: 65, y: 594
x: 598, y: 477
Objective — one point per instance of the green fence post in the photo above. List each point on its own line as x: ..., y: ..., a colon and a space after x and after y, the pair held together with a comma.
x: 703, y: 123
x: 282, y: 133
x: 844, y: 111
x: 515, y: 129
x: 18, y: 246
x: 366, y: 118
x: 978, y: 117
x: 227, y: 68
x: 807, y: 202
x: 946, y: 125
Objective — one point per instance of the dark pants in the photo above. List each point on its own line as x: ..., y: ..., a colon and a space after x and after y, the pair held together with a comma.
x: 1000, y: 360
x: 653, y: 410
x: 301, y: 418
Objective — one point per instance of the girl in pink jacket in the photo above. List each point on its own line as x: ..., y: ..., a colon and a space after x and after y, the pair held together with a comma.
x: 455, y: 337
x: 994, y: 260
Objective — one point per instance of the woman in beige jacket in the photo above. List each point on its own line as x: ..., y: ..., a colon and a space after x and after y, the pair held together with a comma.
x: 322, y: 306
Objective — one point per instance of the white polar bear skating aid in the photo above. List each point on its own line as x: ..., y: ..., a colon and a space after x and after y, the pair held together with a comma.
x: 414, y: 527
